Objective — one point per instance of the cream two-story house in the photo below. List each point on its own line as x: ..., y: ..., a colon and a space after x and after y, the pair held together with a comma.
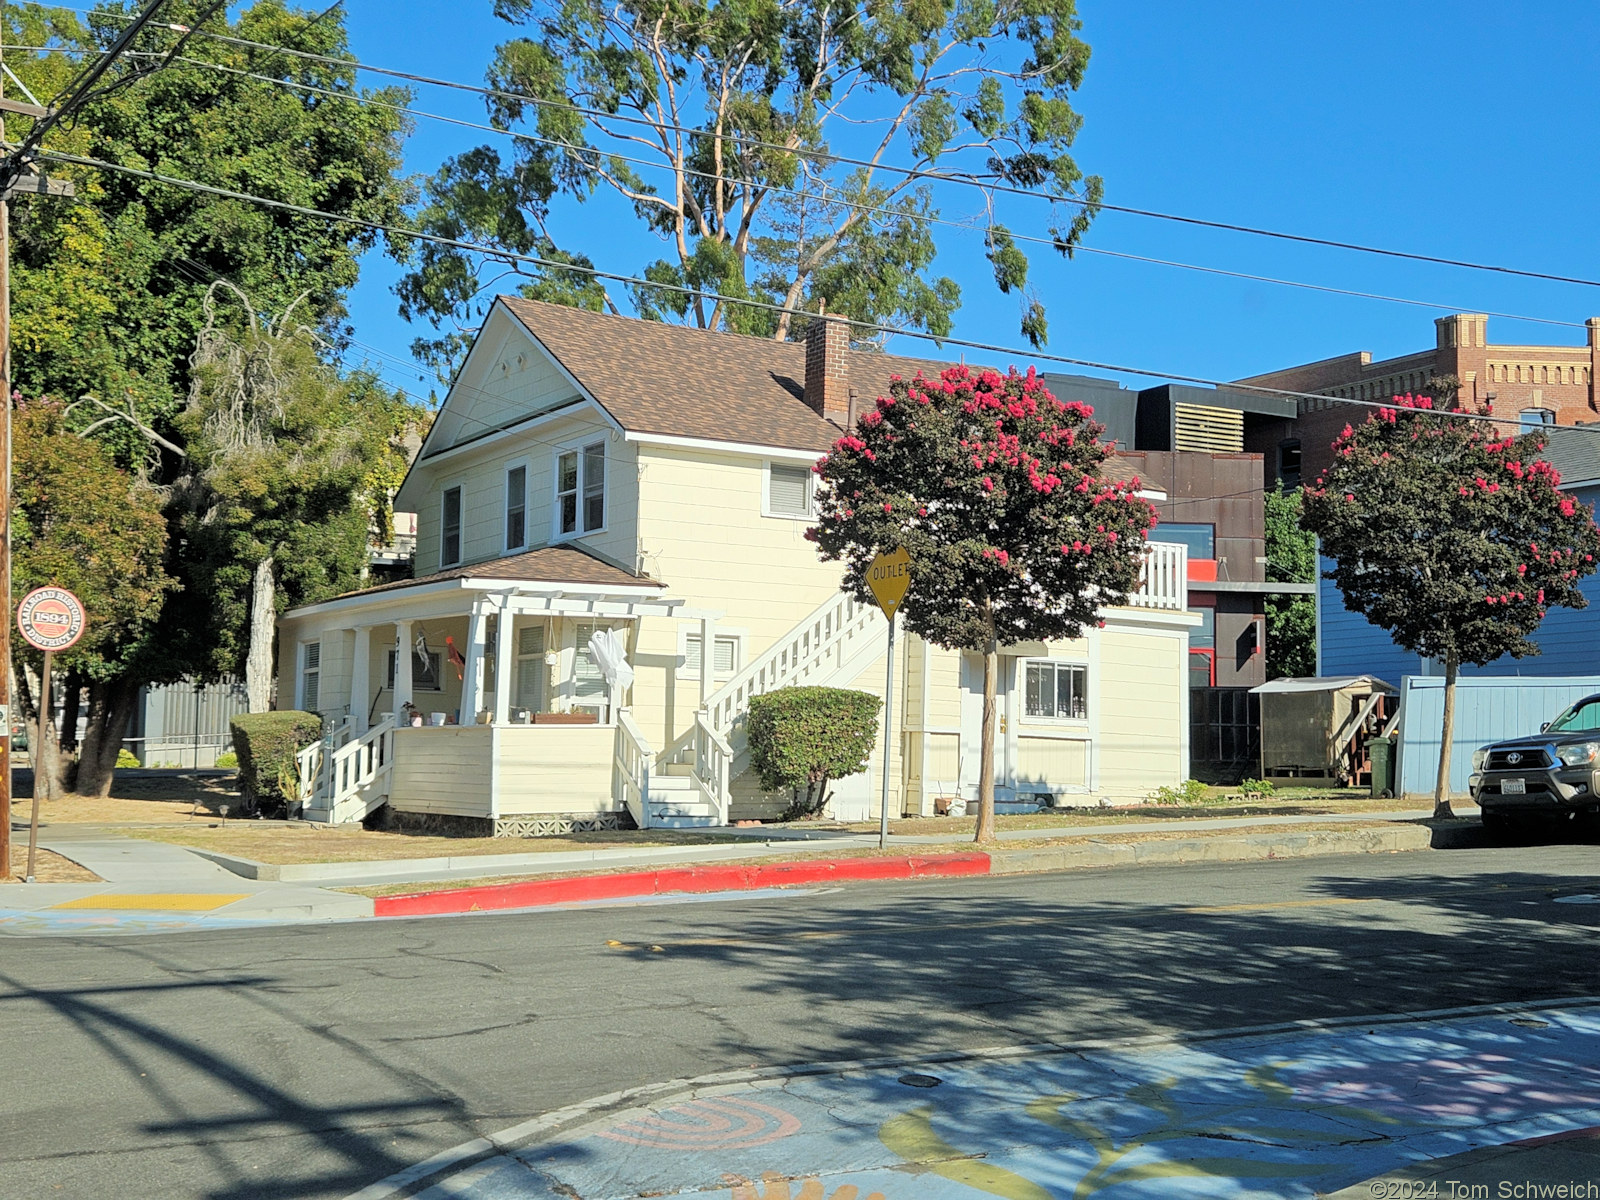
x: 589, y: 472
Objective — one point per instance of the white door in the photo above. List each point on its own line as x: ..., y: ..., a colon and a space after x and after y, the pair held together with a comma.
x: 972, y: 726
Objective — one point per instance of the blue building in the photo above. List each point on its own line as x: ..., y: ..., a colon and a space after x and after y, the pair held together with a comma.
x: 1569, y: 639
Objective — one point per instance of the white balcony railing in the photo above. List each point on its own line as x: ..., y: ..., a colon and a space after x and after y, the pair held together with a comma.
x: 1164, y: 582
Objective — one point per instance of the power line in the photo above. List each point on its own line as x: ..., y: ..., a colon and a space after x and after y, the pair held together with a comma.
x: 828, y: 157
x: 633, y: 280
x: 869, y: 208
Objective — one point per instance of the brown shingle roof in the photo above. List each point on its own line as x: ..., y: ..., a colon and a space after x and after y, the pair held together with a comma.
x: 685, y: 382
x: 548, y: 564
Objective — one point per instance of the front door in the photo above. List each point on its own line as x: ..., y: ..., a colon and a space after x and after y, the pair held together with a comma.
x: 972, y: 727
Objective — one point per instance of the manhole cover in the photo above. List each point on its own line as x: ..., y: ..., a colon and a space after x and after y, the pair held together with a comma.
x: 921, y: 1080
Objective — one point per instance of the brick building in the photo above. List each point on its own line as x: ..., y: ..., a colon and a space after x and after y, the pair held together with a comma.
x: 1549, y: 385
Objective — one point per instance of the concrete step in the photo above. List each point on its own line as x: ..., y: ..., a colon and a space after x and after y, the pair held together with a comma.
x: 707, y: 822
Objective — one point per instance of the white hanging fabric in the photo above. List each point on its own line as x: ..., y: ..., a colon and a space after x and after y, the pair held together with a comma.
x: 610, y: 655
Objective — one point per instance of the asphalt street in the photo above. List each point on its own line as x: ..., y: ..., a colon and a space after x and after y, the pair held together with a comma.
x: 309, y: 1061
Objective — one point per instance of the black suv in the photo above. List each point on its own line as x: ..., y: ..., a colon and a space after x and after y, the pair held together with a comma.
x: 1555, y: 773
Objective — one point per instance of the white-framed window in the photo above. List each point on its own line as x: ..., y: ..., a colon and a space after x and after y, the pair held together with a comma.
x: 788, y: 491
x: 310, y: 676
x: 1535, y: 418
x: 517, y: 506
x: 423, y: 679
x: 581, y: 490
x: 728, y: 648
x: 531, y: 669
x: 450, y: 527
x: 1055, y: 691
x: 588, y: 684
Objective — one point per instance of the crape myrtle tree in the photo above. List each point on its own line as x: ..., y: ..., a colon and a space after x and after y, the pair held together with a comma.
x: 710, y: 124
x: 1451, y: 534
x: 994, y: 488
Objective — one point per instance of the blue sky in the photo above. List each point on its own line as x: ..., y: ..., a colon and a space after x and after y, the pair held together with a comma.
x: 1464, y: 132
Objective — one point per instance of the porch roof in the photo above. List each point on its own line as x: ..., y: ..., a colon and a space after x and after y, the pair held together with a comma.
x: 547, y: 564
x: 554, y: 574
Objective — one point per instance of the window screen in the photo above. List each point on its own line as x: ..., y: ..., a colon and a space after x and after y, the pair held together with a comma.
x: 789, y: 492
x: 530, y: 668
x: 586, y: 678
x: 423, y: 679
x: 723, y: 664
x: 310, y: 676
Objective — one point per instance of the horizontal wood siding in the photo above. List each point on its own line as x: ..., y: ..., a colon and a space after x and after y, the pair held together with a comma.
x: 555, y: 768
x: 1051, y: 764
x: 443, y: 770
x: 1141, y: 712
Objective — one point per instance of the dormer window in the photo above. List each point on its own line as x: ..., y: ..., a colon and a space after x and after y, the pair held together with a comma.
x: 581, y: 490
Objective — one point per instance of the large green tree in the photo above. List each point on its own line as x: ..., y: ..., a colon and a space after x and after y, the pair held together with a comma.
x: 993, y: 487
x: 712, y: 123
x: 1453, y: 536
x: 81, y: 523
x: 286, y: 463
x: 108, y: 290
x: 1291, y: 558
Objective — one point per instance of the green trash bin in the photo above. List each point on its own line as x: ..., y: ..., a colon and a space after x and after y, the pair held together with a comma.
x: 1383, y: 755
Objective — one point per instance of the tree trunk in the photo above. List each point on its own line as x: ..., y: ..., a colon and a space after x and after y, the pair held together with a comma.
x: 1441, y: 787
x: 263, y: 618
x: 111, y: 705
x: 991, y: 669
x: 69, y: 700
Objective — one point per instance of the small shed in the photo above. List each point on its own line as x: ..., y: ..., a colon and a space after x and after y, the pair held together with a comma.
x: 1317, y: 730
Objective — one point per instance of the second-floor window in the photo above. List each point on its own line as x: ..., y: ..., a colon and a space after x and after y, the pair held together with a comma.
x: 1201, y: 539
x: 581, y: 489
x: 788, y: 491
x: 450, y: 537
x: 517, y: 507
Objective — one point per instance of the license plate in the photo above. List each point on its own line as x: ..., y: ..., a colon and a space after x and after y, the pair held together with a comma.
x: 1513, y: 787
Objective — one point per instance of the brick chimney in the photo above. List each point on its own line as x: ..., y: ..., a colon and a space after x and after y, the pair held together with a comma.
x: 828, y: 369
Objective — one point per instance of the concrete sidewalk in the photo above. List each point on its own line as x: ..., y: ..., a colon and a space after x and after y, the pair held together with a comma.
x: 149, y: 886
x: 146, y: 886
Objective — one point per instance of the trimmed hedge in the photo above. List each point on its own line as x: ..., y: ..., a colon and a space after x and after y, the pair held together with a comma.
x: 805, y: 737
x: 266, y: 744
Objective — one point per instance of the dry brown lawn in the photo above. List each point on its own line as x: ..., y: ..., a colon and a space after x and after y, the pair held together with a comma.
x: 1285, y: 804
x: 47, y: 867
x: 278, y: 842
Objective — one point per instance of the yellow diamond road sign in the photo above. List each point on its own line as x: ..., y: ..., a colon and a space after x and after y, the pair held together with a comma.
x: 889, y: 576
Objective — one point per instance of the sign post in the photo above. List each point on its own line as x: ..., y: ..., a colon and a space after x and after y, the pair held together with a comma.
x: 49, y: 619
x: 888, y: 575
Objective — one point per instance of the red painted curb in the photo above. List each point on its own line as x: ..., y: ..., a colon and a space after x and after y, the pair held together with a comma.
x: 731, y: 878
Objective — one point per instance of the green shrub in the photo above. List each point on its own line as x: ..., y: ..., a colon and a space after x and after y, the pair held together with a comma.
x: 1190, y: 791
x: 803, y: 738
x: 1258, y: 787
x: 127, y: 758
x: 265, y: 745
x: 227, y: 759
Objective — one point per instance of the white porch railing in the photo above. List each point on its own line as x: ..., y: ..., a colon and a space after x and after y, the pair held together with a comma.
x: 634, y: 760
x: 1164, y: 580
x: 713, y: 767
x: 354, y: 778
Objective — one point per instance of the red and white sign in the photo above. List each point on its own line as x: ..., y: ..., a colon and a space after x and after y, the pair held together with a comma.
x: 51, y: 618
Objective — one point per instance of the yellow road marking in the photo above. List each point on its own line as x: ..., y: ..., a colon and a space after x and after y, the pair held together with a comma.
x: 157, y: 901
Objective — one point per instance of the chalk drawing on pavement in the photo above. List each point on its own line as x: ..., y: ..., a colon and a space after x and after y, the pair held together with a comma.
x: 776, y: 1187
x: 724, y: 1123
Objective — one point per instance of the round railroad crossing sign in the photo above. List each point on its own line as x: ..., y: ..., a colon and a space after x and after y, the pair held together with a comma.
x: 51, y: 618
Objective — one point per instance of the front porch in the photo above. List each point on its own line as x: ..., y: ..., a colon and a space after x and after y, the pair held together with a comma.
x: 482, y: 704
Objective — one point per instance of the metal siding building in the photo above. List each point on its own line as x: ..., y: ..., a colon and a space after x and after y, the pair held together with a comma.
x: 1487, y: 710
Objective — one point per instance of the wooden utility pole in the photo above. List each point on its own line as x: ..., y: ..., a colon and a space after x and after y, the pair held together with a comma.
x: 6, y: 698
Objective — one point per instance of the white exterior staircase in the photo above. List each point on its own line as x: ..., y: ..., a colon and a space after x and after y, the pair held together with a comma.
x: 343, y: 778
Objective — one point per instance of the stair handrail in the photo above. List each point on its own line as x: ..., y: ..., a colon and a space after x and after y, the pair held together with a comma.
x: 634, y: 759
x: 713, y: 764
x: 823, y: 634
x: 357, y: 764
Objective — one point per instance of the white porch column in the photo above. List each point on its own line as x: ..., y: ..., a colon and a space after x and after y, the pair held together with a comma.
x: 361, y: 680
x: 472, y: 673
x: 503, y: 650
x: 402, y: 670
x: 708, y: 657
